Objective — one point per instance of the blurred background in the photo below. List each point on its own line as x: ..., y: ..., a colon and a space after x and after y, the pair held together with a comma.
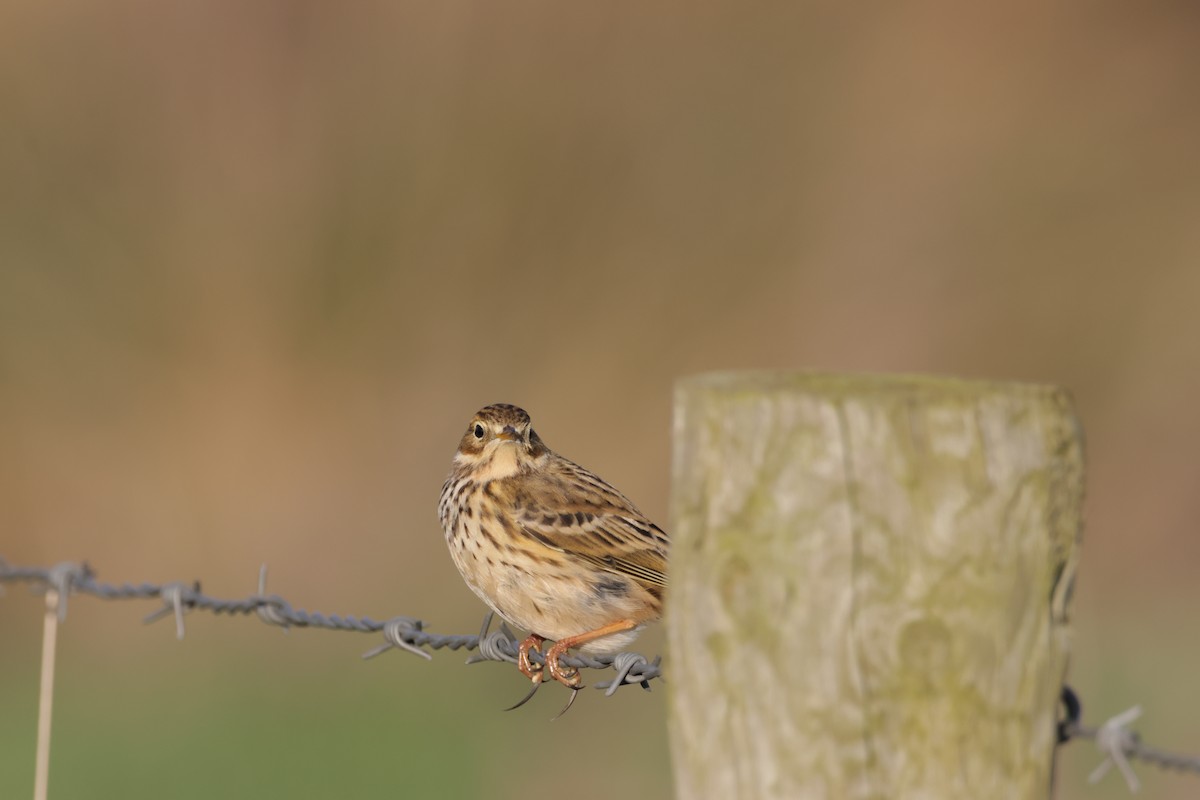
x: 260, y: 262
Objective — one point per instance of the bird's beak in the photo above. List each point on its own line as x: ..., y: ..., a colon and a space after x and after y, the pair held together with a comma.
x: 509, y: 434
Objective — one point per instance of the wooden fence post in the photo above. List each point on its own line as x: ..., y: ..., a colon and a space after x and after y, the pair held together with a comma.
x: 870, y: 579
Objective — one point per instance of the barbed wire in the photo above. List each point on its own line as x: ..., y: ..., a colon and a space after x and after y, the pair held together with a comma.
x: 1118, y: 743
x: 1114, y: 738
x: 405, y: 633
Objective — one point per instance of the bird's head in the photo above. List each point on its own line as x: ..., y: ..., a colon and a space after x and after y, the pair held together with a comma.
x: 500, y: 435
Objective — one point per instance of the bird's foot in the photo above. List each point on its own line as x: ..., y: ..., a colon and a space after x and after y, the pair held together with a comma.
x: 527, y: 667
x: 567, y: 676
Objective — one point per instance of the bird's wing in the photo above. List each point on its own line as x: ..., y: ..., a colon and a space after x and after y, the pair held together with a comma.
x: 576, y: 512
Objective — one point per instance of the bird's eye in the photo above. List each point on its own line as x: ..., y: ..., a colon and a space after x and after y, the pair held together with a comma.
x: 478, y: 431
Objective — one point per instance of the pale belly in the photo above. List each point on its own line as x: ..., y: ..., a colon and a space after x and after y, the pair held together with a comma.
x: 552, y: 598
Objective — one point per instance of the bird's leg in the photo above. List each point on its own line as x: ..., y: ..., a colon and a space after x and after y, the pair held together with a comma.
x: 527, y: 667
x: 569, y: 676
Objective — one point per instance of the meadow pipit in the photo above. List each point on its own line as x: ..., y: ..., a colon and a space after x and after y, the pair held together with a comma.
x: 548, y: 545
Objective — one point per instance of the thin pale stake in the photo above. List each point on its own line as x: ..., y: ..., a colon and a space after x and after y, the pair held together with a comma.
x: 46, y: 695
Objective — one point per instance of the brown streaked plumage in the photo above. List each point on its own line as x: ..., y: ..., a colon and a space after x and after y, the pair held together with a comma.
x: 548, y: 545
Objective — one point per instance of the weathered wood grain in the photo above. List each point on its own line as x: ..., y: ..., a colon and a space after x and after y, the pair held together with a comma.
x: 869, y: 585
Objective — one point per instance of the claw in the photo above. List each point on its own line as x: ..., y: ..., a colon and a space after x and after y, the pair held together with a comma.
x: 532, y: 691
x: 574, y: 691
x: 568, y: 676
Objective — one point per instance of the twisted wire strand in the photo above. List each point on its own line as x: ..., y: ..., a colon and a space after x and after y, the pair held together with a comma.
x: 404, y: 633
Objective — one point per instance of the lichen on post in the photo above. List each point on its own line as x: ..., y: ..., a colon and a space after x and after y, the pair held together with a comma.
x: 870, y: 578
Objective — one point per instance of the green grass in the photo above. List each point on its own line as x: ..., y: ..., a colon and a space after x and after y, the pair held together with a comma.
x: 301, y: 716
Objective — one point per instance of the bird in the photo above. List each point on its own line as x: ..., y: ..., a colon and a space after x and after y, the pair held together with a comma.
x: 549, y: 546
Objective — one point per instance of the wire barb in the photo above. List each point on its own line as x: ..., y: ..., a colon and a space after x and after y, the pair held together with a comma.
x: 625, y: 664
x: 496, y: 646
x: 1118, y: 743
x: 399, y: 632
x: 176, y: 596
x: 1114, y: 739
x: 61, y: 578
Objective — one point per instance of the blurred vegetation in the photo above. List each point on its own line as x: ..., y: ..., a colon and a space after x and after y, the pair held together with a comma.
x: 260, y: 262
